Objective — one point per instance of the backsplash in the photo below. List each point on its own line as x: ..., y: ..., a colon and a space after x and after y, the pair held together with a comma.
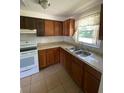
x: 97, y: 50
x: 43, y: 39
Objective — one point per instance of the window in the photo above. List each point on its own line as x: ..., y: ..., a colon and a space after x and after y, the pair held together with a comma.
x: 88, y: 29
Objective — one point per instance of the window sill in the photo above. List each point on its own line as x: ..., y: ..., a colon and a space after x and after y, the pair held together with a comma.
x: 92, y: 45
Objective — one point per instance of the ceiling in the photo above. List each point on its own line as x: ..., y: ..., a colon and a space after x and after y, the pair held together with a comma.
x: 62, y: 8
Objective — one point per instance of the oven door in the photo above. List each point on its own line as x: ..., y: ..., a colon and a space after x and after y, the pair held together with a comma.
x: 28, y: 60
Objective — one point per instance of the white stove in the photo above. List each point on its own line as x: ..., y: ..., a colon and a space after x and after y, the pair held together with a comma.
x: 28, y: 58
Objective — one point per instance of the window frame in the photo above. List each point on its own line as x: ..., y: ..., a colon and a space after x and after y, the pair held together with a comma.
x: 97, y: 44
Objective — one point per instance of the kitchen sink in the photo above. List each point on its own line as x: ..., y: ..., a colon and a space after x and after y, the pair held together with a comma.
x: 73, y: 49
x: 83, y: 53
x: 78, y: 51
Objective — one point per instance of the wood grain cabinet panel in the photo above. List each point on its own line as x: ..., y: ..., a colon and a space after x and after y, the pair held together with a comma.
x: 49, y: 28
x: 42, y: 58
x: 50, y: 56
x: 30, y: 23
x: 56, y: 55
x: 27, y: 22
x: 68, y: 62
x: 58, y: 26
x: 40, y: 27
x: 62, y: 57
x: 91, y: 80
x: 69, y: 27
x: 77, y: 71
x: 22, y: 23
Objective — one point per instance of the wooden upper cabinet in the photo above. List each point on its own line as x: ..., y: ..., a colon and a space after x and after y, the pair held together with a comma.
x: 42, y: 58
x: 101, y: 24
x: 30, y: 23
x: 22, y: 23
x: 27, y: 23
x: 40, y: 27
x: 49, y: 28
x: 58, y: 28
x: 69, y: 27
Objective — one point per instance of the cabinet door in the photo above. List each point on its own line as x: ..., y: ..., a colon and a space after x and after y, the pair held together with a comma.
x: 40, y: 27
x: 69, y: 27
x: 77, y: 71
x: 65, y: 28
x: 49, y: 28
x: 29, y: 23
x: 68, y: 62
x: 62, y: 57
x: 91, y: 84
x: 50, y: 56
x: 22, y: 23
x: 58, y: 28
x: 56, y: 55
x: 91, y: 79
x: 42, y: 58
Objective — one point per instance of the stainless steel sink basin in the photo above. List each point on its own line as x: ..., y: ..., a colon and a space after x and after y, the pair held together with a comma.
x: 80, y: 52
x: 74, y: 49
x: 83, y: 53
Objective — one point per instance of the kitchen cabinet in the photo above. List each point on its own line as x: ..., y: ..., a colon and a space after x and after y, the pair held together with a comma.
x: 91, y: 80
x: 101, y: 24
x: 77, y: 71
x: 40, y: 27
x: 86, y: 77
x: 62, y: 57
x: 58, y: 27
x: 50, y: 56
x: 56, y: 55
x: 42, y: 58
x: 22, y: 24
x: 68, y: 62
x: 69, y: 27
x: 49, y: 28
x: 27, y: 23
x: 44, y: 27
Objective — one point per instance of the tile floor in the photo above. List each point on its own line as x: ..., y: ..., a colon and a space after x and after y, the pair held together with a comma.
x: 53, y: 79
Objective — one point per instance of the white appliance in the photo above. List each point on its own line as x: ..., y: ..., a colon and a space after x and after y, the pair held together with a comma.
x: 28, y: 31
x: 28, y: 58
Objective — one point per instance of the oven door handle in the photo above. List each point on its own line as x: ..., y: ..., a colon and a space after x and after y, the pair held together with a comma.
x: 26, y: 70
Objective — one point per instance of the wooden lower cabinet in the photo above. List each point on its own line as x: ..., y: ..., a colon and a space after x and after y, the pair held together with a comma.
x: 87, y: 78
x: 56, y: 55
x: 48, y: 57
x: 62, y: 57
x: 42, y: 58
x: 68, y: 62
x: 77, y: 71
x: 84, y: 76
x: 91, y: 80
